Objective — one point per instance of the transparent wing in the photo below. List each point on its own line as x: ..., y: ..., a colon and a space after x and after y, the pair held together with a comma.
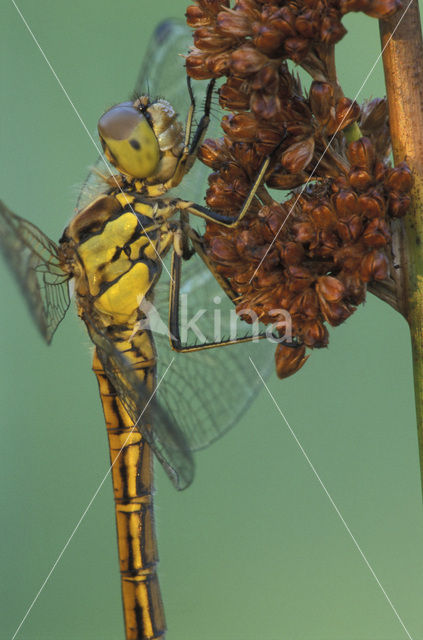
x: 162, y: 74
x: 207, y: 391
x: 157, y: 426
x: 33, y: 259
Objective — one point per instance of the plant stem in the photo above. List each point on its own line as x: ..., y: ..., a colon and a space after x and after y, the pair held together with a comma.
x: 403, y: 65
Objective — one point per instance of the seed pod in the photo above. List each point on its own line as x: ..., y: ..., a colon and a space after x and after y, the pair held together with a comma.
x: 298, y: 130
x: 347, y: 111
x: 305, y: 303
x: 346, y: 203
x: 246, y: 154
x: 304, y: 232
x: 218, y: 64
x: 267, y: 37
x: 371, y: 205
x: 267, y: 79
x: 349, y: 229
x: 268, y: 139
x: 299, y: 278
x: 213, y: 152
x: 374, y: 266
x: 323, y: 216
x: 329, y: 289
x: 314, y: 334
x: 340, y: 183
x: 242, y: 242
x: 374, y: 115
x: 298, y: 156
x: 196, y: 17
x: 398, y: 204
x: 291, y: 252
x: 242, y: 126
x: 321, y: 100
x: 326, y: 245
x: 298, y: 109
x: 223, y: 196
x: 222, y: 250
x: 355, y: 290
x: 361, y: 153
x: 399, y: 178
x: 206, y: 39
x: 196, y: 65
x: 264, y: 106
x: 349, y: 257
x: 233, y: 24
x: 289, y: 360
x: 234, y: 95
x: 376, y: 233
x: 360, y: 179
x: 286, y: 21
x: 246, y: 60
x: 307, y: 24
x: 297, y: 48
x: 332, y: 30
x: 249, y: 8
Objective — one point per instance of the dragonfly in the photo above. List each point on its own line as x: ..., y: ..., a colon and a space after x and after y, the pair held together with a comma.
x: 130, y: 253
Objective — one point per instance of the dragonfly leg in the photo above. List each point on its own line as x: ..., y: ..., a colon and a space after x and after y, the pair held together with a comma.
x: 189, y: 153
x: 174, y: 304
x: 220, y: 218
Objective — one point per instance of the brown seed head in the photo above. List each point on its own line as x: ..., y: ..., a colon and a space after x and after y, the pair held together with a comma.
x: 314, y: 254
x: 289, y: 360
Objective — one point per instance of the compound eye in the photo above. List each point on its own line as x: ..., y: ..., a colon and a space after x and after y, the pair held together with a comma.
x: 129, y: 142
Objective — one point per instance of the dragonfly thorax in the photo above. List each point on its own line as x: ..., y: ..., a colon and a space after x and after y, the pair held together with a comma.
x: 142, y: 139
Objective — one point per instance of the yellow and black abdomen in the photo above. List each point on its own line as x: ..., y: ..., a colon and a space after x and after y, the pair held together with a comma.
x: 116, y: 245
x: 132, y: 474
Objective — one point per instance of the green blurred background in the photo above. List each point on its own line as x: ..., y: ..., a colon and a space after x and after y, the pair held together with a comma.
x: 253, y: 550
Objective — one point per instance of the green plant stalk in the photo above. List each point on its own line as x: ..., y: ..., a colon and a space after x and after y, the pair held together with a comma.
x: 403, y: 65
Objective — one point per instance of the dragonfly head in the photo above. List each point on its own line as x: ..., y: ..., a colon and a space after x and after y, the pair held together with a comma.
x: 142, y: 139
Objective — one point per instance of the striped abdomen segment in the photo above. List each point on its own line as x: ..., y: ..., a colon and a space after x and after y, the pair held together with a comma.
x: 132, y: 474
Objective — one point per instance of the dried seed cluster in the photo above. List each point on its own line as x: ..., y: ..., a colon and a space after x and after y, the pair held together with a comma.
x: 254, y: 30
x: 315, y: 253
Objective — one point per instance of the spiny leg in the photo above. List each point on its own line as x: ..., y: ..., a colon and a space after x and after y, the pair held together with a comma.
x: 189, y: 153
x: 202, y: 127
x: 174, y: 299
x: 220, y: 218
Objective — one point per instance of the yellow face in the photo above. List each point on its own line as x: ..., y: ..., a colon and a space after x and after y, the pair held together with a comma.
x: 129, y: 141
